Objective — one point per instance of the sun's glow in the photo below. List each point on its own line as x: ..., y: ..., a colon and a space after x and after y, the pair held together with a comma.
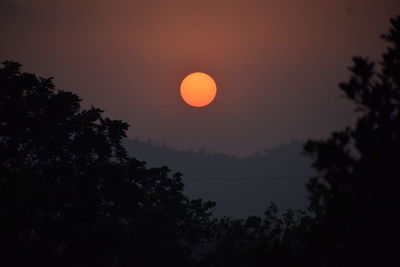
x: 198, y: 89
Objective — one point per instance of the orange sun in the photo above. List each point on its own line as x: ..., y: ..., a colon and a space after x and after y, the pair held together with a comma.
x: 198, y: 89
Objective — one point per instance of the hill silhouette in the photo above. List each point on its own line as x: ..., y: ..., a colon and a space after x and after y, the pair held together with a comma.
x: 241, y: 186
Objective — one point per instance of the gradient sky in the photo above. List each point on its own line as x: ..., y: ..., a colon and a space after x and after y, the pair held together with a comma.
x: 276, y: 63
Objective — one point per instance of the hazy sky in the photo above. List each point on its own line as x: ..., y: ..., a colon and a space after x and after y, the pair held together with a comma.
x: 276, y: 63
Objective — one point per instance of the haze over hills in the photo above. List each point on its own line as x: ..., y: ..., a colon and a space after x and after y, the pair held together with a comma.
x: 242, y: 186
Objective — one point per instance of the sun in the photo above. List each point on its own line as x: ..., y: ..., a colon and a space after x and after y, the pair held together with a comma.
x: 198, y: 89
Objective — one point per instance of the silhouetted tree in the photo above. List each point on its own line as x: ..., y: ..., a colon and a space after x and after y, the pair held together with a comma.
x: 355, y: 197
x: 70, y: 195
x: 270, y: 241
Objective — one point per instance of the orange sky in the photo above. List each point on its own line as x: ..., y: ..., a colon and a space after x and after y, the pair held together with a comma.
x: 276, y: 63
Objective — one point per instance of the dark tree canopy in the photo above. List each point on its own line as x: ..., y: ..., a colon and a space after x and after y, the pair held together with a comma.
x: 356, y: 197
x: 354, y: 200
x: 269, y: 241
x: 70, y: 195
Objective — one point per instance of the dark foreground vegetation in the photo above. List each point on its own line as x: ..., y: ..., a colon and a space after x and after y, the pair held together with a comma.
x: 71, y: 196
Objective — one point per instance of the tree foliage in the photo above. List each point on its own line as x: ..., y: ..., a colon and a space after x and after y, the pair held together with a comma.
x: 355, y: 196
x: 70, y: 195
x: 272, y: 240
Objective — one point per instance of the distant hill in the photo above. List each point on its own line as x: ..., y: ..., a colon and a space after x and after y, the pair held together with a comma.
x: 240, y: 186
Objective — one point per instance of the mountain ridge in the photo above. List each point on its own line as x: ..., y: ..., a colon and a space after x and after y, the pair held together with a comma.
x: 273, y: 175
